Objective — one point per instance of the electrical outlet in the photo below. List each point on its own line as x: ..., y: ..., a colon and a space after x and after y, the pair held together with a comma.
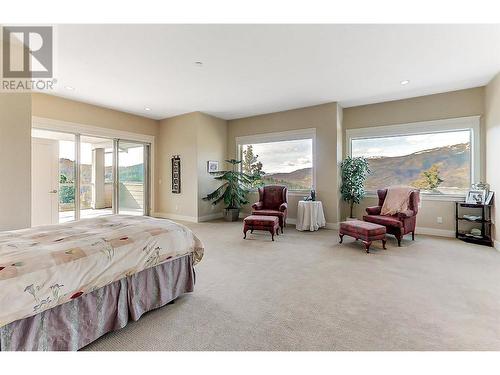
x: 439, y: 220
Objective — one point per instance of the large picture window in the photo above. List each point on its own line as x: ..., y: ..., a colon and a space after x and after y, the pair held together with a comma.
x: 284, y: 158
x: 436, y: 160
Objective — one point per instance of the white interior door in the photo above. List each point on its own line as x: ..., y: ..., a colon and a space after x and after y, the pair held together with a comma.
x: 44, y: 182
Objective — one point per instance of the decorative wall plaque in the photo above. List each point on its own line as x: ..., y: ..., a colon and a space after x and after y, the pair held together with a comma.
x: 176, y: 174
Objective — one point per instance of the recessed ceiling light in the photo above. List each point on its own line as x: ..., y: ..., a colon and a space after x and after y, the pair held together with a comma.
x: 71, y: 88
x: 147, y: 109
x: 198, y: 63
x: 405, y: 82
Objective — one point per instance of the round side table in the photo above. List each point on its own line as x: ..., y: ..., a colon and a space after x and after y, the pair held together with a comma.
x: 310, y: 216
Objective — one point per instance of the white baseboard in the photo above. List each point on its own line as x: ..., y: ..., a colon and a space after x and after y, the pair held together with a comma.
x: 496, y: 245
x: 168, y: 215
x: 293, y: 221
x: 332, y: 226
x: 435, y: 232
x: 214, y: 216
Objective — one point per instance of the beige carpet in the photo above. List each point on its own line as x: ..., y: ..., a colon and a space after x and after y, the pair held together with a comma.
x: 306, y: 292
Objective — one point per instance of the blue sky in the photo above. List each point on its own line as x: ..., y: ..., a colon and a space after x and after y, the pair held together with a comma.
x: 404, y: 145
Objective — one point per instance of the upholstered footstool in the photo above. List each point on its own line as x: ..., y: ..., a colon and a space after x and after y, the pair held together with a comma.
x: 364, y: 231
x: 259, y: 222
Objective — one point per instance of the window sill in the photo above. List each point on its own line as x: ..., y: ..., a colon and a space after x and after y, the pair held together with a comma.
x: 299, y: 193
x: 432, y: 197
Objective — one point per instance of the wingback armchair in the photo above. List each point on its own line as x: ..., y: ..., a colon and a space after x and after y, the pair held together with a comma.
x: 272, y: 202
x: 400, y: 224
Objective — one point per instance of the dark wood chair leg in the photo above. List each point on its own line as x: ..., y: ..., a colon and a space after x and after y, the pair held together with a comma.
x: 367, y: 245
x: 272, y: 235
x: 341, y: 238
x: 399, y: 240
x: 413, y: 236
x: 245, y: 234
x: 383, y: 244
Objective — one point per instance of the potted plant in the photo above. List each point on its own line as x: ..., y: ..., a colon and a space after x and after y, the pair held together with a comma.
x: 234, y: 189
x: 354, y: 173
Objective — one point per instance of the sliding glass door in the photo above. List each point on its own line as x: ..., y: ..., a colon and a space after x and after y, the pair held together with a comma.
x: 133, y: 178
x: 79, y: 176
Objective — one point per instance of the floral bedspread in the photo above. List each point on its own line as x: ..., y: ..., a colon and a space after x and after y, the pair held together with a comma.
x: 46, y: 266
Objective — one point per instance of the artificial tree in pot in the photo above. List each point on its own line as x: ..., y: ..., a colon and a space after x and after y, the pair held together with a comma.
x: 234, y: 190
x: 354, y: 173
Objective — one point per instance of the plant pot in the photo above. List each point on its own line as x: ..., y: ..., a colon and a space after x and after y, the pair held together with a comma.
x: 231, y: 214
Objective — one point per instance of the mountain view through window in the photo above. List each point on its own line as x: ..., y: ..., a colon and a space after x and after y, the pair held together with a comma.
x: 438, y: 163
x: 286, y: 163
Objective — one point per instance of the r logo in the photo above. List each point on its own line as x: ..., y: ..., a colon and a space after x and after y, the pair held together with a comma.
x: 27, y: 52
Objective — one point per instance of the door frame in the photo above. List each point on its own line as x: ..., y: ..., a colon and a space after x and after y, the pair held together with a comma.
x: 79, y: 129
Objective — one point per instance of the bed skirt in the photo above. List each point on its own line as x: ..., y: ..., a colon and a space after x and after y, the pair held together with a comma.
x: 77, y: 323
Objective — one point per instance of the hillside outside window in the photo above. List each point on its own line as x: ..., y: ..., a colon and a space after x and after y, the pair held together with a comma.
x: 282, y: 161
x: 436, y: 162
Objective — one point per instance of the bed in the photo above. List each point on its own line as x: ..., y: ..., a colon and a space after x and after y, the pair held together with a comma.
x: 63, y: 286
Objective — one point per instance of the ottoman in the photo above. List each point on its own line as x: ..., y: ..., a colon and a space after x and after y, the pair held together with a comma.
x: 364, y: 231
x: 259, y: 222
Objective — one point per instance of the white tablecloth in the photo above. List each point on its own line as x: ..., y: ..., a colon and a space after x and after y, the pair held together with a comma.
x: 310, y: 216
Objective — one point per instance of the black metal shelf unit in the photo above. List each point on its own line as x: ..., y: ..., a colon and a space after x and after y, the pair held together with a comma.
x: 485, y: 221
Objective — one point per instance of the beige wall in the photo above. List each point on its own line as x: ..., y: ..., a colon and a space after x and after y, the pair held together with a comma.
x: 178, y: 136
x: 197, y: 138
x: 324, y: 119
x: 492, y: 120
x: 56, y: 108
x: 453, y: 104
x: 15, y: 161
x: 212, y: 145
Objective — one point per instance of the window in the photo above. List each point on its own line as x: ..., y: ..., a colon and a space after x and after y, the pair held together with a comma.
x: 437, y: 157
x: 284, y: 158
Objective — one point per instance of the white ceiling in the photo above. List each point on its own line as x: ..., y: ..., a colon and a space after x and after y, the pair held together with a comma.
x: 255, y: 69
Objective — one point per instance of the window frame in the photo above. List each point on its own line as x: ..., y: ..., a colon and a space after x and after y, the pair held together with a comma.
x: 291, y: 135
x: 470, y: 123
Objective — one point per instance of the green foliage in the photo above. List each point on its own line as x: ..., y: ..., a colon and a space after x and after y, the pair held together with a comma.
x: 63, y: 179
x: 251, y: 166
x: 429, y: 179
x: 235, y: 186
x: 354, y: 173
x: 67, y: 194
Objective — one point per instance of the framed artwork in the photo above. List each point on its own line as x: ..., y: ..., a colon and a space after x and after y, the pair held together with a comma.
x: 476, y: 197
x: 212, y: 166
x: 176, y: 174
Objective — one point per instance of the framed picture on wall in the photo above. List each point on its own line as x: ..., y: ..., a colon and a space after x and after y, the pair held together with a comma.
x: 212, y: 166
x: 176, y: 174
